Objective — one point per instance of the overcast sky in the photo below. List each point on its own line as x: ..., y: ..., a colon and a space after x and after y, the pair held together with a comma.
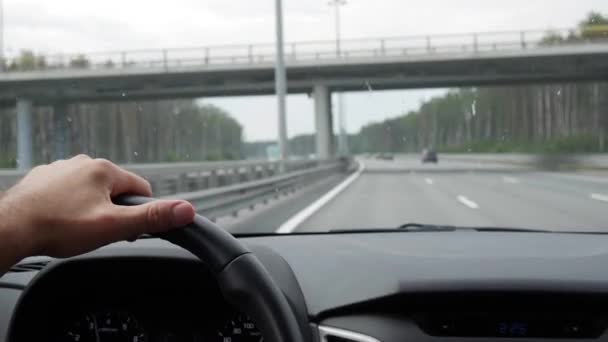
x: 75, y: 25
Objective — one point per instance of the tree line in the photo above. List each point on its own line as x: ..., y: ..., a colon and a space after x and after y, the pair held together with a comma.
x: 560, y: 117
x: 129, y: 132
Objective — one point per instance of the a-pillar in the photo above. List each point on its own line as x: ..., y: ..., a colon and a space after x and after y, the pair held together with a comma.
x: 60, y: 130
x: 25, y: 151
x: 323, y: 121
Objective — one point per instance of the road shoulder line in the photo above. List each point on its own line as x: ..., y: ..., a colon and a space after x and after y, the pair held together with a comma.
x: 297, y: 219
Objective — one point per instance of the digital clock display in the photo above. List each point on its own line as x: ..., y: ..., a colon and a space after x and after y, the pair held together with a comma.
x: 516, y: 326
x: 512, y: 329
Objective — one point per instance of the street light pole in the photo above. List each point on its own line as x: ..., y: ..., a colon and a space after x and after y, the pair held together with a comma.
x: 2, y: 64
x: 337, y: 4
x: 280, y: 80
x: 342, y: 137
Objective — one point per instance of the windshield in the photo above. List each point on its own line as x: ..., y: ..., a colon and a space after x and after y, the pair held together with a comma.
x: 299, y: 116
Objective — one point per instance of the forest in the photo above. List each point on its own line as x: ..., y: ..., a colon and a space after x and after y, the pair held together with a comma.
x: 564, y: 117
x: 130, y: 132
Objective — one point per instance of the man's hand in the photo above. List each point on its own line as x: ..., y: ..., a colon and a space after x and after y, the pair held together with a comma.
x: 65, y: 208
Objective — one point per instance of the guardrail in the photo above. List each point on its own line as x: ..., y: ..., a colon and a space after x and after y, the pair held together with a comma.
x: 252, y: 54
x: 543, y: 161
x: 224, y: 201
x: 223, y: 188
x: 172, y: 178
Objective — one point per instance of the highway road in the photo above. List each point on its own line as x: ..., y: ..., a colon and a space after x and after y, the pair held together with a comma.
x: 386, y: 194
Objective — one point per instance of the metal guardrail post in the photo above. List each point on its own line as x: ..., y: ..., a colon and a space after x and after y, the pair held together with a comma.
x: 182, y: 183
x: 250, y: 53
x: 522, y: 38
x: 428, y: 44
x: 382, y: 47
x: 206, y: 55
x: 252, y: 173
x: 165, y: 63
x: 475, y: 44
x: 201, y: 181
x: 236, y: 176
x: 213, y: 179
x: 264, y: 171
x: 123, y: 58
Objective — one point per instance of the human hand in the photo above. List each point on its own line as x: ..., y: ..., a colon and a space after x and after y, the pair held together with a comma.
x: 65, y: 208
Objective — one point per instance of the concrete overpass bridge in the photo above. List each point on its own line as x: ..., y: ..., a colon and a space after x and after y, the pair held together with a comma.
x: 315, y: 68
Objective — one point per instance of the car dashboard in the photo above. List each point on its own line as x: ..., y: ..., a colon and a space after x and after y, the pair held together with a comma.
x: 356, y: 287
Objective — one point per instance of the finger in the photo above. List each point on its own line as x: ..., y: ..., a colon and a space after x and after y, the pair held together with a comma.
x: 80, y: 157
x: 153, y: 217
x: 123, y: 181
x: 128, y: 182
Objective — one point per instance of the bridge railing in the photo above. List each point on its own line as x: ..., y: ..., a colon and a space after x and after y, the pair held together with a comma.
x: 260, y: 54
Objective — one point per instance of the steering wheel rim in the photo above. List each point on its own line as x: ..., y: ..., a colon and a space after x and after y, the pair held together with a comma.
x: 242, y: 278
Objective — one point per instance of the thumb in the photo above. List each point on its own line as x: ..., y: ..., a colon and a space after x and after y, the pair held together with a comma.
x: 155, y: 217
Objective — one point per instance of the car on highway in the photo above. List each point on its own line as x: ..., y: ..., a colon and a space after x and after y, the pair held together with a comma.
x: 305, y: 231
x: 385, y: 156
x: 429, y: 156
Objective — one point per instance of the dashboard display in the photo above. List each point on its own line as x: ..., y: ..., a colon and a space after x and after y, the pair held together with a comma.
x: 524, y: 325
x: 105, y: 327
x: 240, y: 329
x: 118, y: 326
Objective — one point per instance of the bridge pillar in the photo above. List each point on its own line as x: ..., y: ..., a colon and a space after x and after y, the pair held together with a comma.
x: 25, y: 151
x: 60, y: 130
x: 323, y: 121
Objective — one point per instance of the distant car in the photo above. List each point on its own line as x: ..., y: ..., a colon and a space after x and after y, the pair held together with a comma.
x: 385, y: 156
x: 429, y: 156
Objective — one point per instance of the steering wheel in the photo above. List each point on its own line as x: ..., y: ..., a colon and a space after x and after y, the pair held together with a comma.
x: 242, y: 278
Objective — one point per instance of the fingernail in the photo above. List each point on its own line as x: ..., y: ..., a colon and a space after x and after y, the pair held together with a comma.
x: 181, y: 214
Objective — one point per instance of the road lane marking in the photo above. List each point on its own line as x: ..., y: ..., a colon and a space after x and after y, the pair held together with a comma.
x: 293, y: 222
x: 467, y: 202
x: 510, y: 180
x: 428, y: 181
x: 600, y: 197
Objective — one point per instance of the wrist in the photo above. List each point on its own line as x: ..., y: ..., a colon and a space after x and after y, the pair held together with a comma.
x: 14, y: 242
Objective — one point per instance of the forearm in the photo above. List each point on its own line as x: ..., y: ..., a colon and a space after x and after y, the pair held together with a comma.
x: 12, y: 246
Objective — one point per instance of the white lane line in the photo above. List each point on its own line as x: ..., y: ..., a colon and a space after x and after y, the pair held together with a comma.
x: 428, y: 181
x: 510, y: 180
x: 291, y: 224
x: 467, y: 202
x: 599, y: 197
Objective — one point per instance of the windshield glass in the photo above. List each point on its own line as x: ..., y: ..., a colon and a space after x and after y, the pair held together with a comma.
x: 298, y: 116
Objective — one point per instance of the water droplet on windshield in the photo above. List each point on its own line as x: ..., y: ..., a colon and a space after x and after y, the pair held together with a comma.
x: 559, y: 92
x: 474, y: 107
x: 69, y: 119
x: 123, y: 94
x: 369, y: 86
x: 135, y: 153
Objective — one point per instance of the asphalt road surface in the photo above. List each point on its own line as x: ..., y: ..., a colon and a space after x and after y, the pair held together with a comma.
x: 387, y: 194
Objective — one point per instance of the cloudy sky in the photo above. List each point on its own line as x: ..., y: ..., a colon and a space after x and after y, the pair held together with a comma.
x: 66, y: 26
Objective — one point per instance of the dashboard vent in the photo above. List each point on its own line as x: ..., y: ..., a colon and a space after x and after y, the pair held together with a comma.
x: 29, y: 267
x: 331, y: 334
